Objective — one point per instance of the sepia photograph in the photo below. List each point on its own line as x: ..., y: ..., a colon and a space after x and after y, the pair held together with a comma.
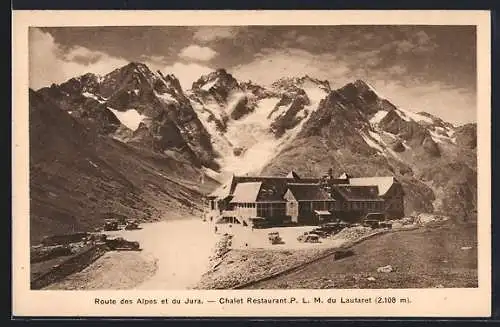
x: 253, y: 157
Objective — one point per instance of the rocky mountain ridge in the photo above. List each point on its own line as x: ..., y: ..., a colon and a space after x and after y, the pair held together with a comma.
x: 224, y: 126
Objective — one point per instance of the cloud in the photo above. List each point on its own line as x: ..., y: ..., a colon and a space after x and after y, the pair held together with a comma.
x: 453, y: 104
x: 397, y: 70
x: 187, y: 73
x: 198, y: 53
x: 416, y: 43
x: 271, y: 64
x: 213, y: 33
x: 83, y: 55
x: 49, y: 62
x: 395, y: 81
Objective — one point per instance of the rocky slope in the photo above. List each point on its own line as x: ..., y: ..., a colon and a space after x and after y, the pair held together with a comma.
x: 138, y: 106
x: 78, y: 177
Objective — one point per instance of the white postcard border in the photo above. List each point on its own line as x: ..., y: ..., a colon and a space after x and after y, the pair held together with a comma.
x: 424, y: 302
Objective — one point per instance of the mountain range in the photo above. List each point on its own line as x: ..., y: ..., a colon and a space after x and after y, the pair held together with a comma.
x: 134, y: 142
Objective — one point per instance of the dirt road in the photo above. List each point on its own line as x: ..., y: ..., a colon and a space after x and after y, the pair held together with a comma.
x: 182, y: 249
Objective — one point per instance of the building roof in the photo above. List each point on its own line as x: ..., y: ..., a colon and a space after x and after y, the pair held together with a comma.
x: 278, y: 182
x: 358, y: 193
x: 246, y: 192
x: 344, y: 176
x: 273, y: 189
x: 222, y: 191
x: 293, y: 175
x: 308, y: 192
x: 383, y: 183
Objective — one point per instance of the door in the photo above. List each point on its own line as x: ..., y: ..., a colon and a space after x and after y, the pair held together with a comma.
x: 292, y: 210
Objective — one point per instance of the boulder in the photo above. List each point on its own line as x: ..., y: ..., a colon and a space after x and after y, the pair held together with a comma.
x: 385, y: 269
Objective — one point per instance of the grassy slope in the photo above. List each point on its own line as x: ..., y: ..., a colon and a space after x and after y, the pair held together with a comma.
x: 427, y: 257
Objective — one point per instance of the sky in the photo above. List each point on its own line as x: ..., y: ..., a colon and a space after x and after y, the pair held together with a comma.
x: 418, y: 68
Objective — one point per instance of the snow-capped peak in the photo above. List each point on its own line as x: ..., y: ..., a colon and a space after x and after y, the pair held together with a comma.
x: 219, y: 78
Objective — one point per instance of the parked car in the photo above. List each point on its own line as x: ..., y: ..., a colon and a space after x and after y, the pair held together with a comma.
x: 334, y: 227
x: 63, y: 239
x: 111, y: 225
x: 131, y: 225
x: 308, y: 237
x: 372, y: 223
x: 384, y: 224
x: 373, y: 219
x: 120, y: 243
x: 274, y: 238
x: 321, y: 232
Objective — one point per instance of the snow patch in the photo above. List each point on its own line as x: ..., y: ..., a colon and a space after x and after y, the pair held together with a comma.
x: 130, y: 118
x: 409, y: 115
x: 376, y: 136
x: 263, y: 109
x: 167, y: 98
x: 371, y: 142
x: 234, y: 100
x: 251, y: 132
x: 438, y: 138
x: 378, y: 117
x: 92, y: 163
x: 440, y: 129
x: 92, y: 96
x: 392, y: 136
x: 209, y: 85
x: 316, y: 94
x: 280, y: 110
x: 375, y: 91
x: 211, y: 173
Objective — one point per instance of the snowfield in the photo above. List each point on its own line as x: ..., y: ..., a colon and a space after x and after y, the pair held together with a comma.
x: 167, y: 98
x: 409, y: 115
x: 130, y: 118
x: 251, y: 133
x: 378, y: 117
x: 93, y: 96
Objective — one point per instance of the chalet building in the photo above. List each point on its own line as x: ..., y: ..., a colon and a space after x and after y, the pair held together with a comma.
x: 308, y: 203
x: 249, y: 200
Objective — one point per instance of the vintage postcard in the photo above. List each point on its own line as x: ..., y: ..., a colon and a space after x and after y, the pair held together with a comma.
x: 251, y: 163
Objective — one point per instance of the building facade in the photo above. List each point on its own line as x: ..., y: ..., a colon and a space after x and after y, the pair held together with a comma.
x: 291, y: 199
